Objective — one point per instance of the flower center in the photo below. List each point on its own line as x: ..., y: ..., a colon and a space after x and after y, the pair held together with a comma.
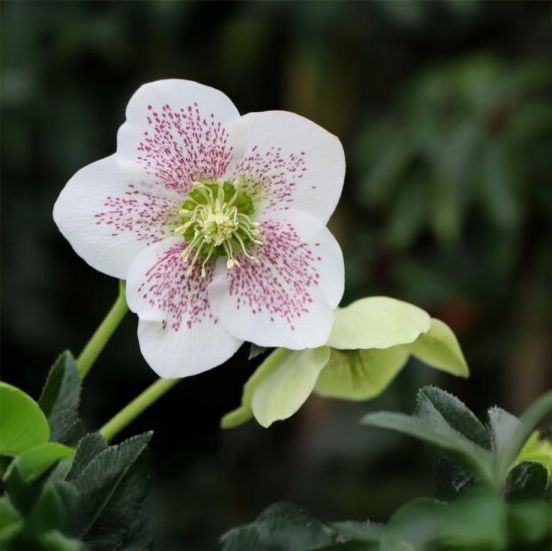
x: 216, y: 221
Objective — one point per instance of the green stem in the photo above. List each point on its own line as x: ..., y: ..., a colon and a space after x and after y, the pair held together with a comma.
x: 103, y: 333
x: 136, y: 407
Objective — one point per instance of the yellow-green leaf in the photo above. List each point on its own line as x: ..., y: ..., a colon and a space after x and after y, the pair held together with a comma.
x: 22, y: 423
x: 537, y: 450
x: 34, y: 461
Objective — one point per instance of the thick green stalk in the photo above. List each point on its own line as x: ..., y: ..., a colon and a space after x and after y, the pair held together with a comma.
x: 103, y: 333
x: 136, y: 407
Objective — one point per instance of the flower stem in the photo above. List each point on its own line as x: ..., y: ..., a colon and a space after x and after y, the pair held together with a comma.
x: 136, y: 407
x: 103, y: 333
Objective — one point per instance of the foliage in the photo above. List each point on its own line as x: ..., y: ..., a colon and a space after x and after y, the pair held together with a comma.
x: 62, y: 498
x: 500, y: 505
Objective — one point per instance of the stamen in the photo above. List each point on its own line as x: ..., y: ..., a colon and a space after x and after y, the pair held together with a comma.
x: 219, y: 226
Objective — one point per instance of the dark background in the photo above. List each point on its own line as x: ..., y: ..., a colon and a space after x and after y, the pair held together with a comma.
x: 445, y: 112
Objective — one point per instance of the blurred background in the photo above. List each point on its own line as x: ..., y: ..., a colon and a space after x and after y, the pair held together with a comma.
x: 445, y: 112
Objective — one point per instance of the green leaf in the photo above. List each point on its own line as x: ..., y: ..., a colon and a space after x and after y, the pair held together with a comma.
x: 460, y: 417
x: 282, y: 391
x: 89, y: 447
x: 377, y: 322
x: 282, y: 527
x: 526, y: 481
x: 56, y: 541
x: 35, y: 461
x: 440, y: 349
x: 538, y: 450
x: 11, y: 521
x: 535, y: 414
x: 435, y: 413
x: 22, y: 423
x: 280, y: 369
x: 360, y: 374
x: 529, y: 522
x: 47, y: 513
x: 470, y: 523
x: 113, y: 486
x: 60, y: 400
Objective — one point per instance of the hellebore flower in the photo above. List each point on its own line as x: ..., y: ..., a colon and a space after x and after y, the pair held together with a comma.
x: 216, y: 221
x: 369, y: 345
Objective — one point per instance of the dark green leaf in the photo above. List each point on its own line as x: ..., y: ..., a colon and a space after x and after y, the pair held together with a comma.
x: 112, y: 486
x: 60, y: 400
x: 527, y: 481
x: 459, y: 416
x: 282, y: 527
x: 88, y: 448
x: 11, y: 521
x: 529, y: 421
x: 23, y: 494
x: 439, y: 419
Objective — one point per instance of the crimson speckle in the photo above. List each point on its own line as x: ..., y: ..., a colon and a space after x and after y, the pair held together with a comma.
x: 184, y: 147
x: 281, y: 281
x: 137, y: 212
x: 182, y: 298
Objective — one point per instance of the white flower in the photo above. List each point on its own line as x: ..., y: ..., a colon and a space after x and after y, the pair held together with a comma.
x: 216, y: 221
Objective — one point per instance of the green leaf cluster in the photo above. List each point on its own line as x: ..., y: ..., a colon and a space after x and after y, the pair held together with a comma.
x: 489, y: 450
x: 370, y: 344
x: 65, y: 489
x: 502, y: 504
x: 480, y: 522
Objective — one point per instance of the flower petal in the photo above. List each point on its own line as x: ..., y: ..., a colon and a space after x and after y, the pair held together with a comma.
x: 287, y: 297
x: 174, y: 131
x: 297, y: 164
x: 108, y: 217
x: 178, y: 333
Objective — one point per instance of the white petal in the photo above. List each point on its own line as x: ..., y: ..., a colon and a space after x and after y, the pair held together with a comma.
x: 298, y: 164
x: 108, y: 217
x: 178, y: 332
x: 287, y: 297
x: 174, y: 131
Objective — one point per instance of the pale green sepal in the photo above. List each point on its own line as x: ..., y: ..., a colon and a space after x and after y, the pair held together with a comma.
x: 537, y: 450
x: 22, y: 423
x: 439, y: 348
x: 244, y: 413
x: 35, y: 461
x: 282, y: 391
x: 377, y: 322
x: 360, y: 374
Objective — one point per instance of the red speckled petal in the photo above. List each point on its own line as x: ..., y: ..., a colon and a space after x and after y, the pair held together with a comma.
x: 109, y: 216
x: 174, y: 131
x: 296, y: 164
x: 178, y: 332
x: 287, y: 297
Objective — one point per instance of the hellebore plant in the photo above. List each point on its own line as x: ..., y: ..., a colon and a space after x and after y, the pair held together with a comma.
x: 215, y: 225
